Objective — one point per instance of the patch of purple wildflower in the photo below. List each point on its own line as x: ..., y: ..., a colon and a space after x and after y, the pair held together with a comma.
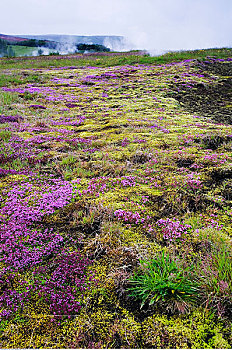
x: 173, y: 229
x: 10, y: 119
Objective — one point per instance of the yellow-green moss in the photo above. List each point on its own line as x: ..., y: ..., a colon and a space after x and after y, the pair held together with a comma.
x: 197, y: 330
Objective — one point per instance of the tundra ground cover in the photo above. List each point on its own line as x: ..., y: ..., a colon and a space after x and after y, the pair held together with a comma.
x: 104, y: 172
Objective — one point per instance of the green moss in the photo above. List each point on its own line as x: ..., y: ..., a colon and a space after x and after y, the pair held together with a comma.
x: 197, y: 331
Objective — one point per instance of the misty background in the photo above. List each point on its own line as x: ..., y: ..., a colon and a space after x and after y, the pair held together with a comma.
x: 154, y: 25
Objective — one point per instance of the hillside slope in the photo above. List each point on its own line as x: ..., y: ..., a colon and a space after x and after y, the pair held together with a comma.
x: 116, y: 203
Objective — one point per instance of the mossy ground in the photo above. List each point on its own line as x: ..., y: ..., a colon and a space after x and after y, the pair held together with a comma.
x: 135, y: 155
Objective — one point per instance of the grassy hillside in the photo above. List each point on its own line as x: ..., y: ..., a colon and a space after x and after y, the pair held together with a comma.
x: 116, y: 190
x: 24, y: 50
x: 112, y: 59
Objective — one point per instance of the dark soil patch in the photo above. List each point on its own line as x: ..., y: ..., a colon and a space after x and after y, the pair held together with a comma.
x: 216, y: 67
x: 184, y: 163
x: 213, y: 141
x: 221, y: 174
x: 133, y: 305
x: 213, y: 101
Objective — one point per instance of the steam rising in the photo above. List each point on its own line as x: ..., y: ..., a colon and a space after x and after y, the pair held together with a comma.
x: 118, y: 45
x: 67, y: 44
x: 154, y: 25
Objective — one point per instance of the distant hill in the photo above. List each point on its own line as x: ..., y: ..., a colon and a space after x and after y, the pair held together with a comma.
x: 17, y: 40
x: 112, y: 41
x: 21, y: 45
x: 11, y: 38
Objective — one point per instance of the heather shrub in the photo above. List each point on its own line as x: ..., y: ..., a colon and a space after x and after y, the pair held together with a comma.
x: 173, y: 229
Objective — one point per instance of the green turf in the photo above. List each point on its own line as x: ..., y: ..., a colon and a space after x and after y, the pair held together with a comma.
x: 110, y: 59
x: 23, y: 50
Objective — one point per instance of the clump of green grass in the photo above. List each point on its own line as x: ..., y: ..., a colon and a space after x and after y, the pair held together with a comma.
x: 18, y: 79
x: 7, y: 98
x: 68, y: 160
x: 6, y: 79
x: 28, y: 96
x: 223, y: 264
x: 5, y: 135
x: 215, y: 267
x: 161, y: 279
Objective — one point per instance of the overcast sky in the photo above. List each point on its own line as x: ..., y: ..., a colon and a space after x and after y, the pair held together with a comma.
x: 155, y: 25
